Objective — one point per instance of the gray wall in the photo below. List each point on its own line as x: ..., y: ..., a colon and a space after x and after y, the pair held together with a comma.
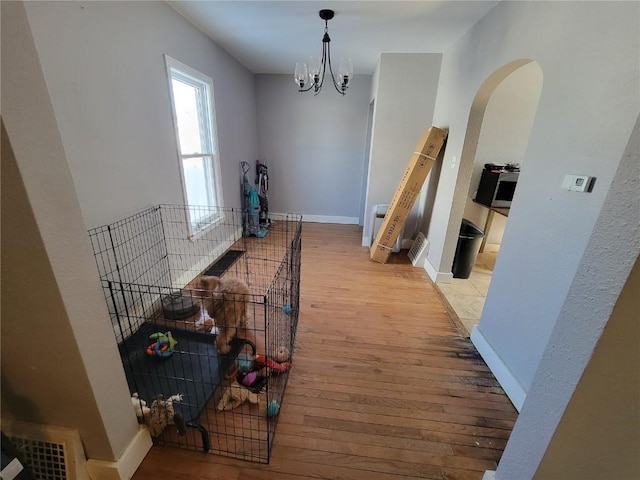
x: 584, y: 119
x: 314, y: 147
x: 104, y: 66
x: 92, y: 144
x: 565, y: 256
x: 582, y: 369
x: 504, y: 137
x: 404, y: 94
x: 598, y: 435
x: 60, y: 363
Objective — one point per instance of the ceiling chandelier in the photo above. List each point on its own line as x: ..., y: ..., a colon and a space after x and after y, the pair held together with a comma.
x: 311, y: 76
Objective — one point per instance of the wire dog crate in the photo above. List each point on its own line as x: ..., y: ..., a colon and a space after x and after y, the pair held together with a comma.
x: 190, y: 394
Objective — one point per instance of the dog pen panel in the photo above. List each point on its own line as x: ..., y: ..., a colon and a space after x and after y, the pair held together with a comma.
x: 150, y: 256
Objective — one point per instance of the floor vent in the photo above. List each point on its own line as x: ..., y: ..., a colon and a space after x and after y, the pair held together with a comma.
x: 418, y: 251
x: 224, y: 263
x: 51, y: 453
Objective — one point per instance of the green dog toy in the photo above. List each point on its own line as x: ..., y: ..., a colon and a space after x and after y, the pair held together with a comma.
x: 164, y: 345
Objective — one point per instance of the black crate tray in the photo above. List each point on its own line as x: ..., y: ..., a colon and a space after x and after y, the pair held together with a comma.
x: 195, y: 370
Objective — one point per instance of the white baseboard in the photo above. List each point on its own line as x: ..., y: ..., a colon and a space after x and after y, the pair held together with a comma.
x: 127, y: 464
x: 436, y: 276
x: 489, y: 475
x: 500, y: 370
x: 330, y: 219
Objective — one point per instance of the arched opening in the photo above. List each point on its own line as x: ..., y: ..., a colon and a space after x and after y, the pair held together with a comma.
x: 500, y: 123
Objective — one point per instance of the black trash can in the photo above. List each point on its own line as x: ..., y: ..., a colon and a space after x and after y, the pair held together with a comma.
x: 469, y: 241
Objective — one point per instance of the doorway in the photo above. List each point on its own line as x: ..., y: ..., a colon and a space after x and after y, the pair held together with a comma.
x: 498, y: 131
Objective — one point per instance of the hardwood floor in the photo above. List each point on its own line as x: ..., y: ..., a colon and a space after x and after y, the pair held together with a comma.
x: 383, y: 385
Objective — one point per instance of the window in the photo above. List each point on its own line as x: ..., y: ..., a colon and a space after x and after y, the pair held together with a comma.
x: 194, y: 121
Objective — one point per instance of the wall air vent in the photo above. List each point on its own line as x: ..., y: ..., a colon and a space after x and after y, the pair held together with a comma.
x: 419, y: 250
x: 49, y: 452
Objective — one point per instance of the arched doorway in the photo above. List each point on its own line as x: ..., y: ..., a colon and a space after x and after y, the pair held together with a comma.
x: 500, y: 122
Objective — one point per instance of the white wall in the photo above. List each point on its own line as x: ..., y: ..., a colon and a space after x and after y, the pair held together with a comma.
x: 589, y: 59
x: 60, y: 363
x: 314, y: 147
x: 607, y: 444
x: 86, y: 108
x: 565, y: 384
x: 104, y: 67
x: 405, y: 96
x: 504, y: 135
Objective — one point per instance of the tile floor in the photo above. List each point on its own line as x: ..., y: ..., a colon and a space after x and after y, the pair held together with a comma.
x: 465, y: 297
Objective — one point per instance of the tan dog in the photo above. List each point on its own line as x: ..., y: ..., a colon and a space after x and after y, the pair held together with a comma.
x: 226, y: 302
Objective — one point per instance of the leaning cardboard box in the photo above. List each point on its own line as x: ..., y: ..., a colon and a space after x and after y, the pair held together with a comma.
x: 414, y: 176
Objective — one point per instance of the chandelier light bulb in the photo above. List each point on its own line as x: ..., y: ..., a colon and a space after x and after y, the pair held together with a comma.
x: 301, y: 75
x: 346, y: 68
x: 345, y: 73
x: 314, y: 69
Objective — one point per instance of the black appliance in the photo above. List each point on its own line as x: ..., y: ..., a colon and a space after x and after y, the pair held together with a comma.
x: 497, y: 186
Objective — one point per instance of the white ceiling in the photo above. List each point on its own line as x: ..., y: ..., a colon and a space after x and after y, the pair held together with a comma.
x: 271, y: 36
